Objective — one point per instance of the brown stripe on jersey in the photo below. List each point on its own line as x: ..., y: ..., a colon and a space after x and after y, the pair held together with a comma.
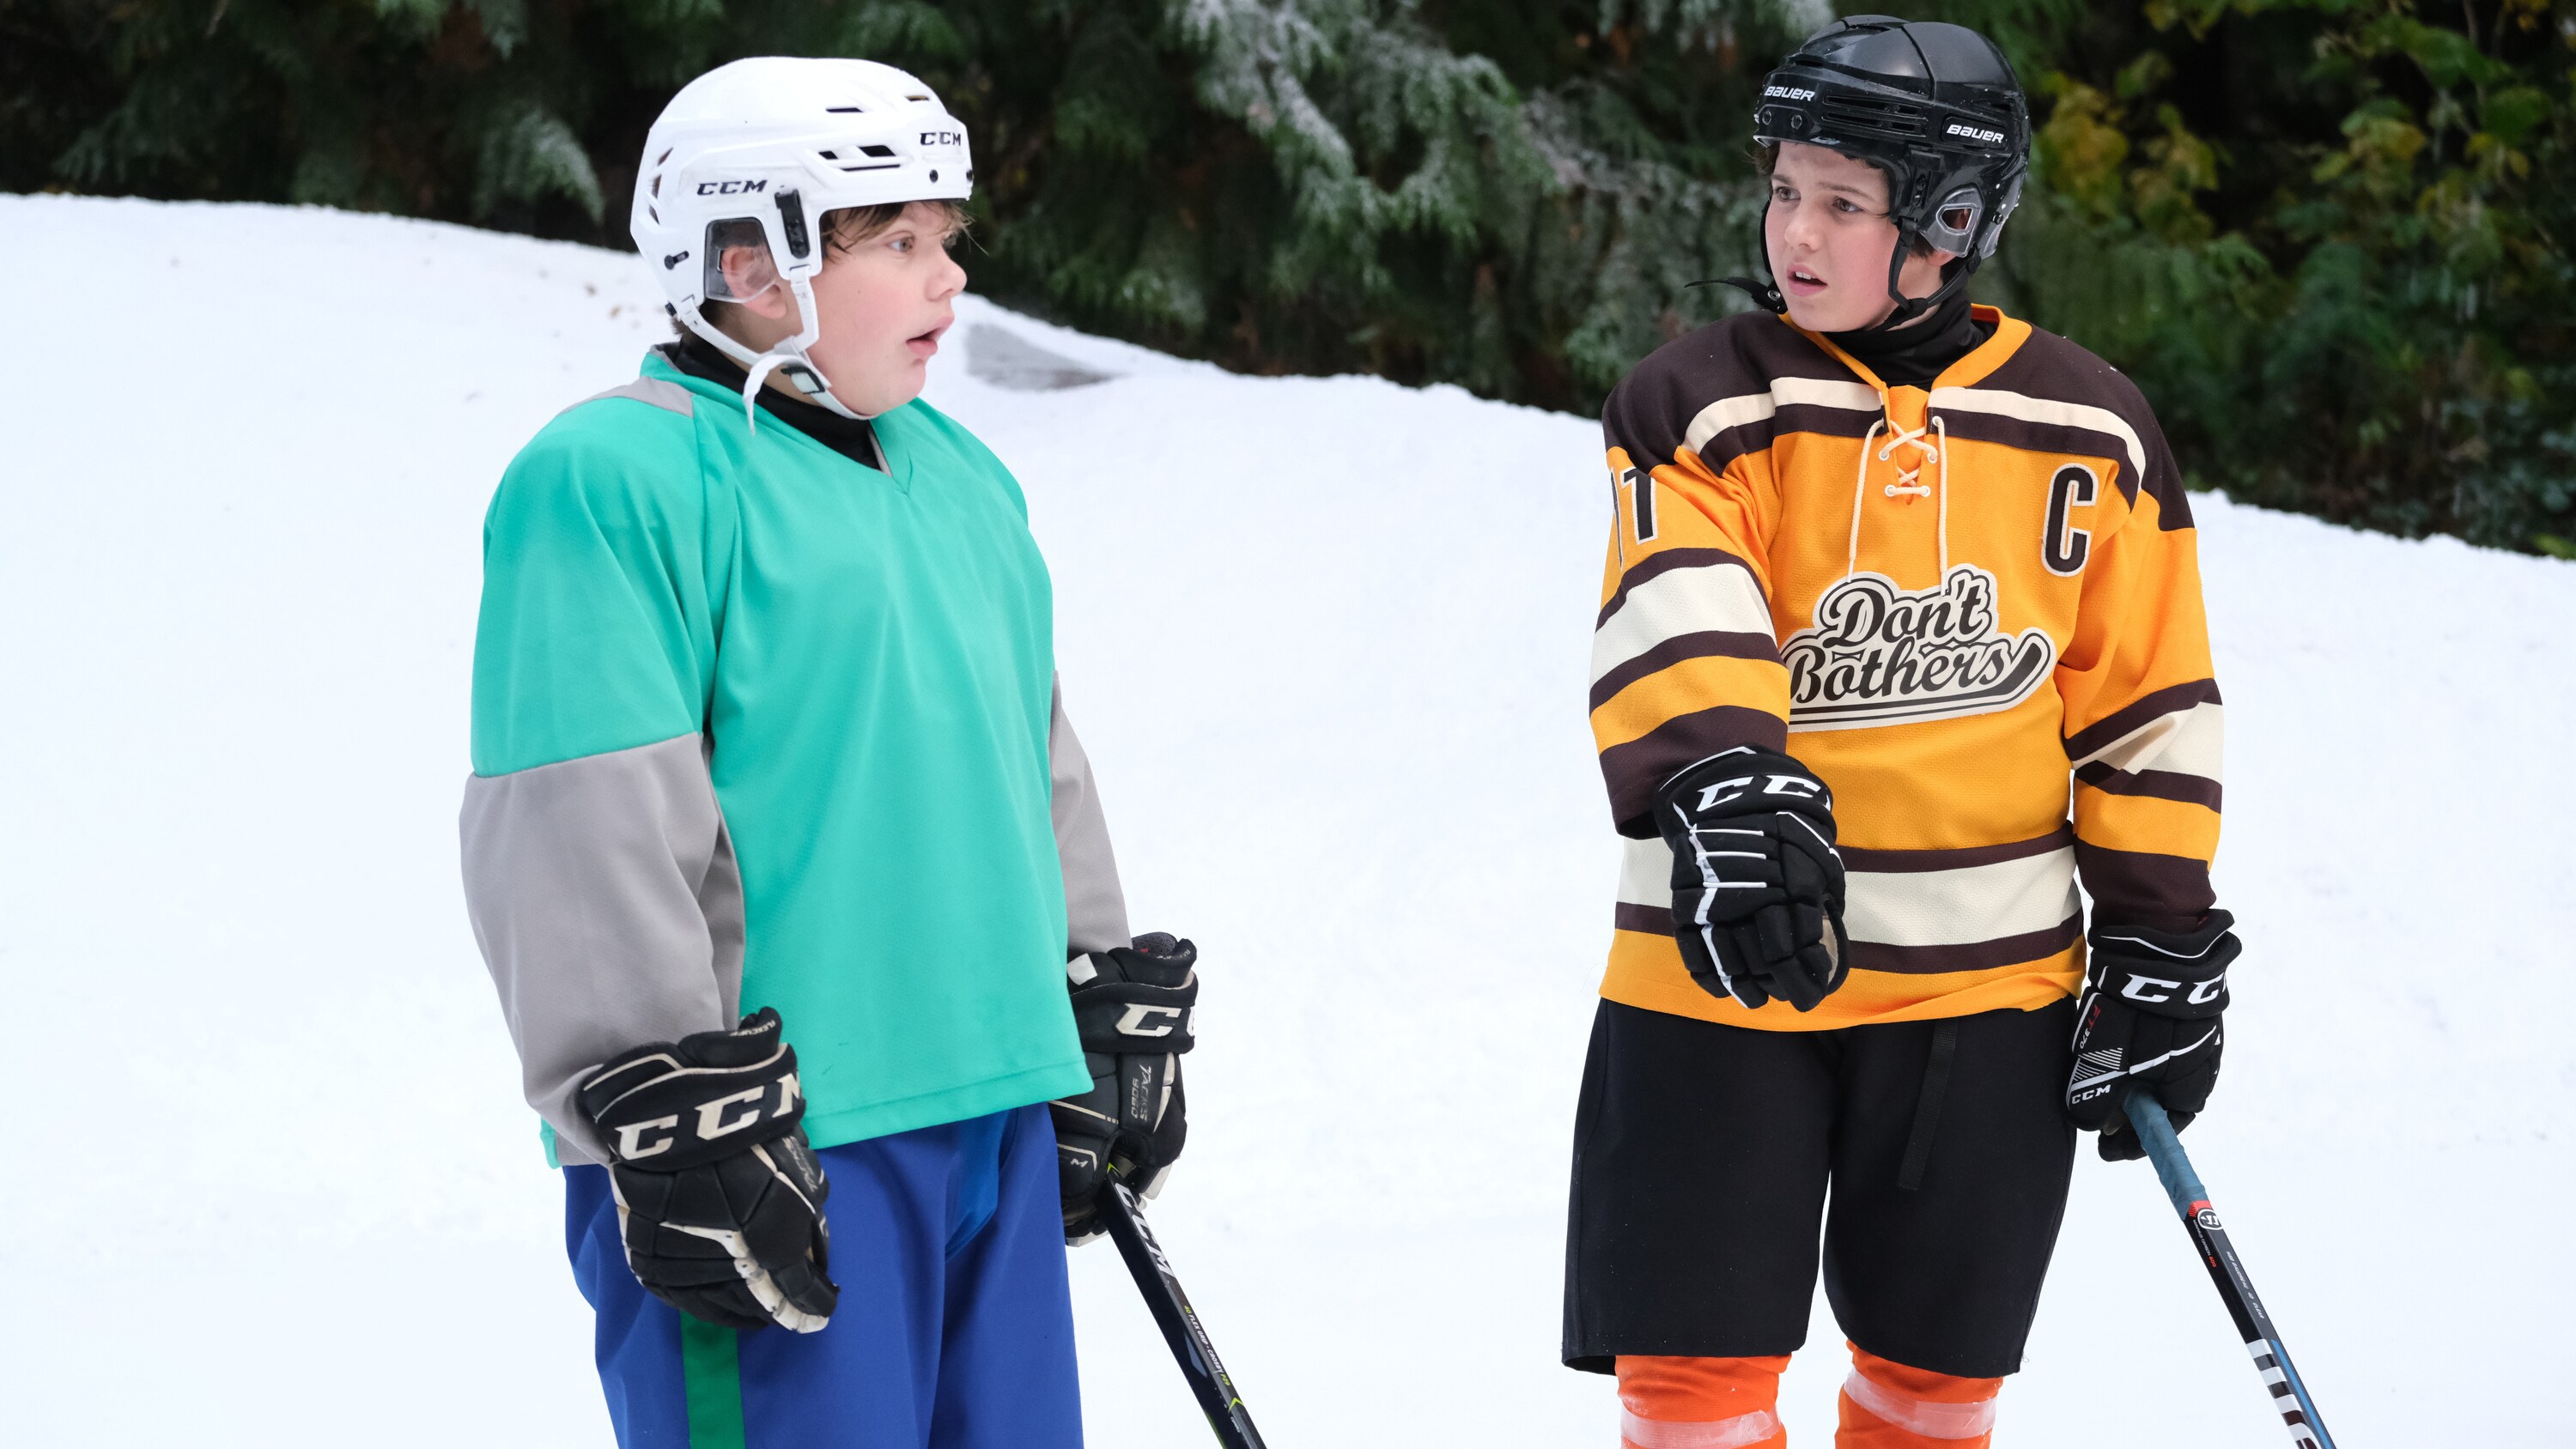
x: 1973, y: 956
x: 1714, y: 642
x: 1656, y: 565
x: 2156, y: 784
x: 2048, y: 366
x: 1909, y: 861
x: 2172, y: 699
x: 1832, y: 422
x: 1653, y: 920
x: 1770, y: 347
x: 1634, y: 769
x: 2142, y: 888
x: 1729, y: 444
x: 2164, y: 484
x: 1984, y: 427
x: 1753, y: 437
x: 1649, y: 413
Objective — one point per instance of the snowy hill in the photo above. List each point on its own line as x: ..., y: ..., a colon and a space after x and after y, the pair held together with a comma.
x: 1326, y: 640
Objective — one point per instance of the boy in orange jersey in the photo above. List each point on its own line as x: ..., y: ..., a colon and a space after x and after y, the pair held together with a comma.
x: 1893, y: 583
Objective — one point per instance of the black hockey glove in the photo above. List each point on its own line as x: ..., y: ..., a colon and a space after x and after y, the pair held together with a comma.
x: 1132, y: 1006
x: 1757, y: 886
x: 719, y: 1200
x: 2149, y: 1020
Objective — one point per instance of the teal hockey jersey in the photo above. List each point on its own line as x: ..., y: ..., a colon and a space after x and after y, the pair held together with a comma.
x: 758, y: 725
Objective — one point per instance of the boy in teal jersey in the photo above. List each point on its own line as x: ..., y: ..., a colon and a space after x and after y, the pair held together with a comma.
x: 766, y: 721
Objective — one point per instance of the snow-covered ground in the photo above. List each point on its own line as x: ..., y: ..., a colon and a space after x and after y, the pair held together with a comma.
x: 271, y: 1183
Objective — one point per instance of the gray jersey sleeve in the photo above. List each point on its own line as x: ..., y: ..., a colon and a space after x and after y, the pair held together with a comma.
x: 604, y: 895
x: 1095, y: 908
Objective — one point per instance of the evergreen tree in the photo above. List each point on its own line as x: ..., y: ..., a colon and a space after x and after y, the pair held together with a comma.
x: 1329, y: 185
x: 1282, y: 185
x: 2329, y: 238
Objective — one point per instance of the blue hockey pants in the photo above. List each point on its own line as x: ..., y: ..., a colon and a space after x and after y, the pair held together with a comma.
x: 954, y: 1330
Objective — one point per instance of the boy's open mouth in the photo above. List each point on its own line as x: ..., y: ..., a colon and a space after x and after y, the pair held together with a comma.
x: 1802, y: 280
x: 927, y: 343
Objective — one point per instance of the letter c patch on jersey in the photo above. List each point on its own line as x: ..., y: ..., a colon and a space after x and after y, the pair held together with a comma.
x: 2064, y: 547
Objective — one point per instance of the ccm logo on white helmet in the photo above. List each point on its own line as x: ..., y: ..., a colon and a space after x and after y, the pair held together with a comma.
x: 731, y: 188
x: 1991, y: 138
x: 943, y: 138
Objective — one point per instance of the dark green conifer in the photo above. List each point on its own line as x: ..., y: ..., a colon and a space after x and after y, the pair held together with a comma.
x: 2333, y: 240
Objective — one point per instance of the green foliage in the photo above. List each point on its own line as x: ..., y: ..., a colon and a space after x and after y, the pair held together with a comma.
x: 2329, y: 238
x: 1366, y: 185
x: 1512, y: 195
x: 469, y: 110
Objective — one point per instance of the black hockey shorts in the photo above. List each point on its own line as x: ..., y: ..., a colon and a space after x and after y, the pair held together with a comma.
x: 1702, y: 1155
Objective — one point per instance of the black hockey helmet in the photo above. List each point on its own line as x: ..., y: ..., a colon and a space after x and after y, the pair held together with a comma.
x: 1935, y: 106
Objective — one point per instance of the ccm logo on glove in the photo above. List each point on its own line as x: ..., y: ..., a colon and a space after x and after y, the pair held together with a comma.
x: 2155, y: 989
x: 1787, y: 787
x: 719, y: 1196
x: 1133, y: 1023
x: 668, y: 1104
x: 721, y: 1117
x: 2150, y: 1020
x: 1132, y: 1007
x: 1757, y: 884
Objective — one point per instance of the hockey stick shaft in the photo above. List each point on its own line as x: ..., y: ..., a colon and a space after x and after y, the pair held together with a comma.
x: 2253, y: 1324
x: 1179, y: 1322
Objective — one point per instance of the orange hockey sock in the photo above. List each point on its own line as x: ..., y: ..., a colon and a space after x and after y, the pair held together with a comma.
x: 1700, y: 1403
x: 1886, y: 1405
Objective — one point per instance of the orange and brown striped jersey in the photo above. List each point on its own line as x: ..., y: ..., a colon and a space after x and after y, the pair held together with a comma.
x: 1968, y: 608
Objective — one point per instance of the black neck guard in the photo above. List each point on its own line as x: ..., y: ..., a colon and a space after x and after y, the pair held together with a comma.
x: 852, y: 438
x: 1912, y: 356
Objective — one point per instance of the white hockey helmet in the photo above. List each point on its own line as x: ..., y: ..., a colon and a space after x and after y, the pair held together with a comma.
x: 756, y: 151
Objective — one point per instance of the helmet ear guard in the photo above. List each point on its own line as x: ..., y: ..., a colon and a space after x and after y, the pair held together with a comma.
x: 787, y: 257
x: 1954, y: 224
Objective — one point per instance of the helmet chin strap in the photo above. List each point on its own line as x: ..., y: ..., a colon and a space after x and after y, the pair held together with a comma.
x: 1764, y: 292
x: 790, y: 355
x: 1954, y: 275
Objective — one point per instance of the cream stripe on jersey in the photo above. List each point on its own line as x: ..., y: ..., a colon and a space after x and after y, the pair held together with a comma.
x: 2187, y: 742
x: 1721, y: 596
x: 1725, y: 413
x: 2045, y: 410
x: 1646, y: 873
x: 1753, y: 407
x: 1816, y: 392
x: 1961, y: 907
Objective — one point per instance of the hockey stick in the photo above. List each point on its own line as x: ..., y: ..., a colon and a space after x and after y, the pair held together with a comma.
x: 1180, y: 1324
x: 2262, y: 1340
